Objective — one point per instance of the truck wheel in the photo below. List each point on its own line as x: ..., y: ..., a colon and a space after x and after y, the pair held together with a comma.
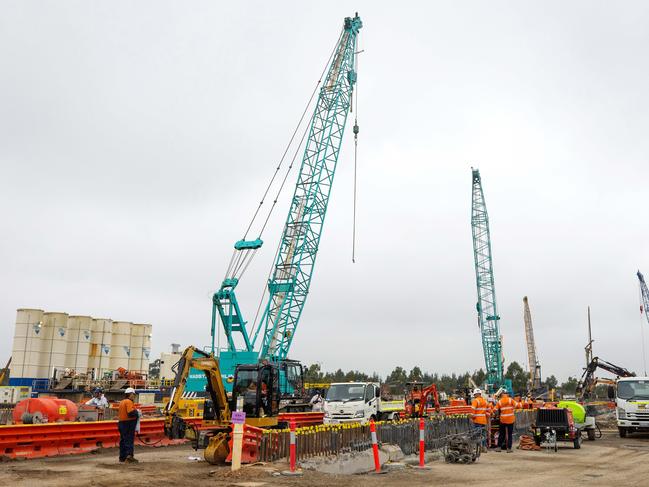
x: 591, y: 434
x: 622, y: 432
x: 577, y: 441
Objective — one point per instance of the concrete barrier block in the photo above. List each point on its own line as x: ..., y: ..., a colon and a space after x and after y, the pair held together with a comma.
x: 394, y: 452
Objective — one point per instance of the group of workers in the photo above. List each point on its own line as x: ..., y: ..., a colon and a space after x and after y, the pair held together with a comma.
x: 482, y: 410
x: 128, y: 421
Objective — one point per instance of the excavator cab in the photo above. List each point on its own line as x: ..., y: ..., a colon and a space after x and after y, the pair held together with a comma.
x: 268, y: 388
x: 257, y: 386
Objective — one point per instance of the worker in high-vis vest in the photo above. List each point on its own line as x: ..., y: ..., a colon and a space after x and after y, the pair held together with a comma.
x: 480, y: 416
x: 506, y: 406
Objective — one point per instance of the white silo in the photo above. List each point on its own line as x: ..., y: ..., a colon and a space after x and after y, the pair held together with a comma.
x: 100, y: 346
x: 55, y: 330
x: 26, y: 350
x: 146, y: 347
x: 120, y: 345
x: 135, y: 345
x: 78, y: 345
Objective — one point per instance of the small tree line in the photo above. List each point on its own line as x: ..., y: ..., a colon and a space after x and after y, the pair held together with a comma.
x: 445, y: 382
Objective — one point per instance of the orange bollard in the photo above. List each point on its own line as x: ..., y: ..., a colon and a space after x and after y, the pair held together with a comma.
x: 375, y: 447
x: 422, y: 444
x: 292, y: 446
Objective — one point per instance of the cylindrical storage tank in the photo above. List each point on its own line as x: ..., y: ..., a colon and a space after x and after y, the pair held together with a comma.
x: 120, y: 345
x: 146, y: 347
x: 45, y: 410
x: 136, y: 344
x: 26, y: 350
x: 55, y: 330
x: 100, y: 346
x: 78, y: 346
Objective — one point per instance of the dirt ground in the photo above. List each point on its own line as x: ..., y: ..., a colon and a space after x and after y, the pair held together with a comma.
x: 607, y: 461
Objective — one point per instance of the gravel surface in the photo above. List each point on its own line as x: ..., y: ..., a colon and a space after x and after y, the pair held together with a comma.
x: 608, y: 461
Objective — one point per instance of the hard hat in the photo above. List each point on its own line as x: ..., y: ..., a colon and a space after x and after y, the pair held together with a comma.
x: 129, y: 390
x: 476, y: 391
x: 97, y: 389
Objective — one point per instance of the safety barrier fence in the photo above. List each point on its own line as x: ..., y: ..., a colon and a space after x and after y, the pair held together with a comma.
x: 53, y: 439
x: 341, y: 438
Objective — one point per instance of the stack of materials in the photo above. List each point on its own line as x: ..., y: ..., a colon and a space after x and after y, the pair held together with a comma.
x: 528, y: 443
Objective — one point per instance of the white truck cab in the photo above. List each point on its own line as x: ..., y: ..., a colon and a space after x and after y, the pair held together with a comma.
x: 347, y: 402
x: 632, y: 405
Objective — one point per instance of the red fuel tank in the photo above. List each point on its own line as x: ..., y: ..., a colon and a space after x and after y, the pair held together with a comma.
x: 45, y: 410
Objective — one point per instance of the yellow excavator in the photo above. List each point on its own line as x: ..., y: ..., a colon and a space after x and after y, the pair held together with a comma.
x: 259, y: 388
x: 4, y: 373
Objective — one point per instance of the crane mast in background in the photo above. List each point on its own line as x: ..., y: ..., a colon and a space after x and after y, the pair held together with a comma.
x: 486, y: 306
x: 290, y: 277
x: 644, y: 292
x: 535, y: 367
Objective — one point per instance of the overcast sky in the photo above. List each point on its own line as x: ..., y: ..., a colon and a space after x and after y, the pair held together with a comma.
x: 136, y: 139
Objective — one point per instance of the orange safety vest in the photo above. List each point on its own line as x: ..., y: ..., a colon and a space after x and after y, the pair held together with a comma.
x: 506, y: 406
x: 480, y: 409
x: 125, y: 407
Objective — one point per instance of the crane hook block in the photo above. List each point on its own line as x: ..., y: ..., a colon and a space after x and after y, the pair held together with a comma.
x: 351, y: 77
x: 248, y: 244
x: 356, y: 128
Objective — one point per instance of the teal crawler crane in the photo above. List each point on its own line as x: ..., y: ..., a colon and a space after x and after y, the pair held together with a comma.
x: 290, y: 278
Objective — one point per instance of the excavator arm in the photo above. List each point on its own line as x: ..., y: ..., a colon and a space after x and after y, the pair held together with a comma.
x: 193, y: 358
x: 588, y: 380
x: 431, y: 390
x: 4, y: 372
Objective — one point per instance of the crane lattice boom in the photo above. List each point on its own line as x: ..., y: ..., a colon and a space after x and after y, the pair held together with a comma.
x: 535, y: 367
x: 291, y: 275
x: 486, y: 306
x: 289, y: 285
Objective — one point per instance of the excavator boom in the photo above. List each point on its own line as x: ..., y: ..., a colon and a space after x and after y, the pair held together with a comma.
x: 199, y: 360
x: 588, y: 381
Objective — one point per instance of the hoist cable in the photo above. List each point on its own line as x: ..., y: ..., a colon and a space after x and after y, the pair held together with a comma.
x: 279, y: 191
x: 295, y: 131
x: 255, y: 323
x: 355, y: 166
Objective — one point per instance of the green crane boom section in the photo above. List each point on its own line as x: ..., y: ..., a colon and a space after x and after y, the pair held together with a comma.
x: 487, y: 310
x: 288, y: 286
